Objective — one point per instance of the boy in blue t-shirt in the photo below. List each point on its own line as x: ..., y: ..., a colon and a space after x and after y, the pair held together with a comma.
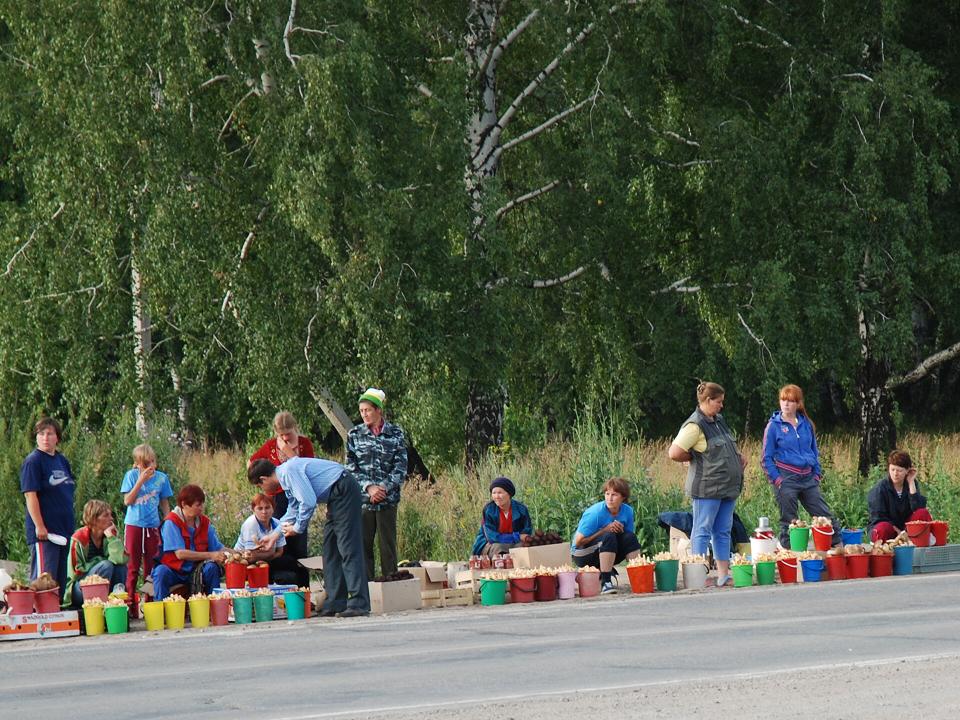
x: 146, y: 493
x: 47, y: 484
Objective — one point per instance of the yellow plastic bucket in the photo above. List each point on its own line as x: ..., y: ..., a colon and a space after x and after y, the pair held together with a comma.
x: 199, y: 613
x: 93, y: 620
x: 153, y: 615
x: 174, y: 614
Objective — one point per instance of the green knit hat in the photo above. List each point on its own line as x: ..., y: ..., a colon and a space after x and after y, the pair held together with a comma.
x: 374, y: 396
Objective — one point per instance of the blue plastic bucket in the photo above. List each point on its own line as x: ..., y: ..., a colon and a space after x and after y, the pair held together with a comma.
x: 812, y: 570
x: 903, y: 560
x: 852, y: 537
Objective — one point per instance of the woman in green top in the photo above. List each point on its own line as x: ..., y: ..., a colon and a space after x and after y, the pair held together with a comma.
x: 95, y: 549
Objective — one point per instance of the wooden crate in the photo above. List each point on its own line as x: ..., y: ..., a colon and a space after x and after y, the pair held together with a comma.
x: 447, y: 597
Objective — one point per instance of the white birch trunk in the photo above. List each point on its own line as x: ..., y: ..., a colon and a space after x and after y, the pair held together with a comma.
x: 143, y: 345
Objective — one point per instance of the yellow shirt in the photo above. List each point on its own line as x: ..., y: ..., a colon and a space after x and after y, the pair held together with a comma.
x: 691, y: 437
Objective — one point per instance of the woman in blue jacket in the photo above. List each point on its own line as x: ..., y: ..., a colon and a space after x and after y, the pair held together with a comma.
x: 791, y: 461
x: 506, y: 522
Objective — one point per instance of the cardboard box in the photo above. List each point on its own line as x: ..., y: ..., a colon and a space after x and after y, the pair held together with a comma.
x: 312, y: 563
x: 448, y: 597
x: 545, y: 555
x: 453, y: 567
x: 471, y: 578
x: 279, y: 610
x: 387, y: 597
x: 37, y: 626
x: 432, y: 574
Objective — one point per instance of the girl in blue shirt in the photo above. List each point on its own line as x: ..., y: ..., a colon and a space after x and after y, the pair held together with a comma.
x: 605, y: 535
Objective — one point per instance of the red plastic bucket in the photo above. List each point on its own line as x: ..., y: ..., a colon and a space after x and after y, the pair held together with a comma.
x: 236, y: 575
x: 546, y: 587
x: 47, y: 601
x: 881, y: 565
x: 219, y: 611
x: 523, y: 590
x: 787, y: 570
x: 98, y: 591
x: 589, y: 583
x: 641, y: 578
x: 919, y: 532
x: 940, y: 530
x: 822, y: 537
x: 258, y: 576
x: 837, y: 567
x: 20, y: 601
x: 858, y: 566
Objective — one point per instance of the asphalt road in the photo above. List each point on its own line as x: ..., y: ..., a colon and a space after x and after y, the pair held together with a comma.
x: 887, y: 647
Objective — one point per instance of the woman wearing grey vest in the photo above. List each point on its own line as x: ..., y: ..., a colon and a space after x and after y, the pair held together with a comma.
x: 714, y: 476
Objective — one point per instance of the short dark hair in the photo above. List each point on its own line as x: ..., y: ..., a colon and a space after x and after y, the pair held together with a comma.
x: 48, y: 422
x: 618, y: 485
x: 190, y: 495
x: 900, y: 458
x: 260, y: 469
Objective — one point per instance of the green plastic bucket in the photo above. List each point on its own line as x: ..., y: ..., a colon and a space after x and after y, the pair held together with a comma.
x: 263, y: 607
x: 243, y: 610
x: 799, y: 539
x: 117, y: 619
x: 493, y: 592
x: 766, y: 572
x: 742, y: 575
x: 665, y: 572
x: 296, y: 604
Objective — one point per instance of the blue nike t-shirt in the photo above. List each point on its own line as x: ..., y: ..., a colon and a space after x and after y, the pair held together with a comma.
x: 50, y: 477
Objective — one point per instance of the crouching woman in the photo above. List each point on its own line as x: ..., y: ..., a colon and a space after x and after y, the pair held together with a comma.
x: 605, y: 535
x: 191, y: 552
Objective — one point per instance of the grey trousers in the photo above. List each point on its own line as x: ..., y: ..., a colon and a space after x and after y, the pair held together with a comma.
x: 344, y: 575
x: 803, y: 489
x: 380, y: 526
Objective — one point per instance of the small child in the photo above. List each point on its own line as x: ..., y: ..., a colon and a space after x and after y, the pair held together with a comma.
x: 146, y: 493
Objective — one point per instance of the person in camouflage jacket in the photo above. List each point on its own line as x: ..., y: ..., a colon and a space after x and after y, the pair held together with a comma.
x: 377, y: 457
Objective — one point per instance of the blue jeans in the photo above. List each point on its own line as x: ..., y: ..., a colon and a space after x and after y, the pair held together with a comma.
x: 105, y: 569
x: 712, y: 520
x: 165, y: 577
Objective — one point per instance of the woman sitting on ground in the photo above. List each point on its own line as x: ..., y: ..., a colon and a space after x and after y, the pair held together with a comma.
x: 605, y: 535
x: 896, y: 499
x: 506, y: 522
x: 95, y: 549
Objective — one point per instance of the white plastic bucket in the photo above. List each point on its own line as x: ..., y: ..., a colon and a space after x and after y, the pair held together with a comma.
x: 759, y: 546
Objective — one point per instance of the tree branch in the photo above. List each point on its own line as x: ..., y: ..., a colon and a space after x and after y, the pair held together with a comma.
x: 218, y: 78
x: 233, y: 113
x: 756, y: 339
x: 924, y: 368
x: 244, y: 252
x: 761, y: 28
x: 286, y: 34
x: 23, y: 248
x: 857, y: 75
x: 544, y: 125
x: 551, y: 282
x: 494, y: 54
x: 527, y: 197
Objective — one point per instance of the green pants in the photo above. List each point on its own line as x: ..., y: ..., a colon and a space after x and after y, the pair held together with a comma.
x: 380, y: 525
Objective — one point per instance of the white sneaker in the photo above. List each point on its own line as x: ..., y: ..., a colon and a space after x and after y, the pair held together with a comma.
x: 608, y: 588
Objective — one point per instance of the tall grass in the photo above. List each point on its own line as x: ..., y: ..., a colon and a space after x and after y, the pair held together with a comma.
x: 556, y: 481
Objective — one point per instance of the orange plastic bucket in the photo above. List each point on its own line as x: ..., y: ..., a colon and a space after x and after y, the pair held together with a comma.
x: 641, y: 578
